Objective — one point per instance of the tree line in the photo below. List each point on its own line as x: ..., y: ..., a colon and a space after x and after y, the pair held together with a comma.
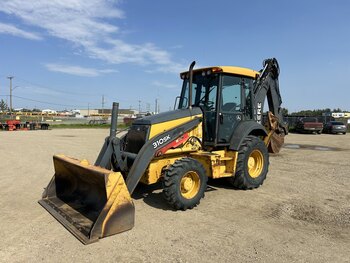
x: 4, y: 107
x: 313, y: 113
x: 318, y: 112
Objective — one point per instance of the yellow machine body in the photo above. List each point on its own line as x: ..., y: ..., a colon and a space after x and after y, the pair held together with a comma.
x: 93, y: 202
x: 158, y: 128
x: 216, y: 163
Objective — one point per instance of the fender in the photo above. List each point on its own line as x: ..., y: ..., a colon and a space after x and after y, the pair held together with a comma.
x: 244, y: 129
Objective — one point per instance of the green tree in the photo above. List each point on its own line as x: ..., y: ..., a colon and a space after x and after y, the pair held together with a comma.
x: 314, y: 113
x: 284, y: 111
x: 337, y: 110
x: 3, y: 105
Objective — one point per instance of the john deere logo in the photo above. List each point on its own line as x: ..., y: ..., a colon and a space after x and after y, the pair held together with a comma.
x: 258, y: 112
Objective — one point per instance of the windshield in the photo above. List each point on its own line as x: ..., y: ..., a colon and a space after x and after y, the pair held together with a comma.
x: 337, y: 123
x: 204, y: 89
x: 309, y: 119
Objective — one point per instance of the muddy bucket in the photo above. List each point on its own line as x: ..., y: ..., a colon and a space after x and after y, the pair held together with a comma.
x: 90, y: 201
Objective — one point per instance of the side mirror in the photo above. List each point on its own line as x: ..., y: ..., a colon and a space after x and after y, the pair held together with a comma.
x: 176, y: 104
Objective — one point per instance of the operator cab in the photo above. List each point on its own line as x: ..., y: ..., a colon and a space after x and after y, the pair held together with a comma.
x: 224, y: 96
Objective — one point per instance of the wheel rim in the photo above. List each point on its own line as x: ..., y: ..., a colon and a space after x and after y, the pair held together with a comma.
x: 255, y: 163
x: 190, y: 183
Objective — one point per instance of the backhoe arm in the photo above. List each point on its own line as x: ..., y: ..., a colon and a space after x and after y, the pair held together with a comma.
x: 267, y: 87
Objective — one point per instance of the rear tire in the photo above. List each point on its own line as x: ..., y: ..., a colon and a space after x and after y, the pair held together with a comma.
x: 184, y: 183
x: 252, y: 164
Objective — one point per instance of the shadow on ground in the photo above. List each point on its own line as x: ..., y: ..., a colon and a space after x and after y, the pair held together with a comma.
x: 153, y: 196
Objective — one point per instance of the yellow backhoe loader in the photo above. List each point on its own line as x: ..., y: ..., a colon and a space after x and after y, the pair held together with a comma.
x: 216, y: 130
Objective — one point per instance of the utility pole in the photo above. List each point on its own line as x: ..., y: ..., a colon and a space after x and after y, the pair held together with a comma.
x: 103, y: 103
x: 139, y: 106
x: 10, y: 78
x: 88, y: 109
x: 156, y: 107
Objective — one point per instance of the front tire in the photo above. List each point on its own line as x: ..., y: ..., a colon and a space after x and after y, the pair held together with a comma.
x: 184, y: 183
x: 252, y: 164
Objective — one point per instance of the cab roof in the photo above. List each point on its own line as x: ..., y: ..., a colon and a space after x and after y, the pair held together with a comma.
x: 227, y: 69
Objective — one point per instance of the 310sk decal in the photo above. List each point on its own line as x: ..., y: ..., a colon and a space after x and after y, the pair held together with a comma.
x: 159, y: 142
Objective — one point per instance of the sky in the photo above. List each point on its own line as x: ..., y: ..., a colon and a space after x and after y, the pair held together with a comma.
x: 70, y: 54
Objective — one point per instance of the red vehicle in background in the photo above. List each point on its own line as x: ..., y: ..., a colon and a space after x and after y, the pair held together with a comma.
x: 309, y: 125
x: 13, y: 125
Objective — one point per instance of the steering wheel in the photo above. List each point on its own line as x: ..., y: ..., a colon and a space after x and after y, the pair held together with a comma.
x: 210, y: 105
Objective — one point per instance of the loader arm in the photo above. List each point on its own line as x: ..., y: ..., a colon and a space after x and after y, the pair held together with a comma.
x: 148, y: 151
x: 111, y: 150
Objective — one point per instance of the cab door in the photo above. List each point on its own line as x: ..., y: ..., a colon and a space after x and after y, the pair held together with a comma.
x: 230, y: 108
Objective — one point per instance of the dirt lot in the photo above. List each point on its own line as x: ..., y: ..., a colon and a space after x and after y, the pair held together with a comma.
x: 300, y: 214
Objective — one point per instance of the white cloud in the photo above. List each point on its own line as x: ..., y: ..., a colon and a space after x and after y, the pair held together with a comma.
x: 172, y: 68
x: 40, y: 90
x: 78, y: 21
x: 13, y: 30
x: 177, y: 47
x: 77, y: 70
x: 165, y: 85
x: 88, y: 25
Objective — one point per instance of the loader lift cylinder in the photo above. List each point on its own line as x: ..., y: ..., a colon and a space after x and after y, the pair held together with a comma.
x: 104, y: 157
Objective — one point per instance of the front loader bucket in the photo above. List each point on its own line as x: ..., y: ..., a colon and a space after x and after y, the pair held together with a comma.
x: 90, y: 201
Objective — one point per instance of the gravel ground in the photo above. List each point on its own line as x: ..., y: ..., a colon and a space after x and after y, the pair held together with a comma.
x: 300, y: 214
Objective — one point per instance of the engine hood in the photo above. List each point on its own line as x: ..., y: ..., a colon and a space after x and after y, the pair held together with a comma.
x: 167, y: 116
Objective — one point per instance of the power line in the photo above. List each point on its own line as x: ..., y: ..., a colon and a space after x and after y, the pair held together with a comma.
x: 34, y: 84
x: 50, y: 103
x: 54, y: 89
x: 47, y: 88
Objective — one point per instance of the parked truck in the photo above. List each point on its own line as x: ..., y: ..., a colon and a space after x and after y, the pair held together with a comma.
x: 309, y: 125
